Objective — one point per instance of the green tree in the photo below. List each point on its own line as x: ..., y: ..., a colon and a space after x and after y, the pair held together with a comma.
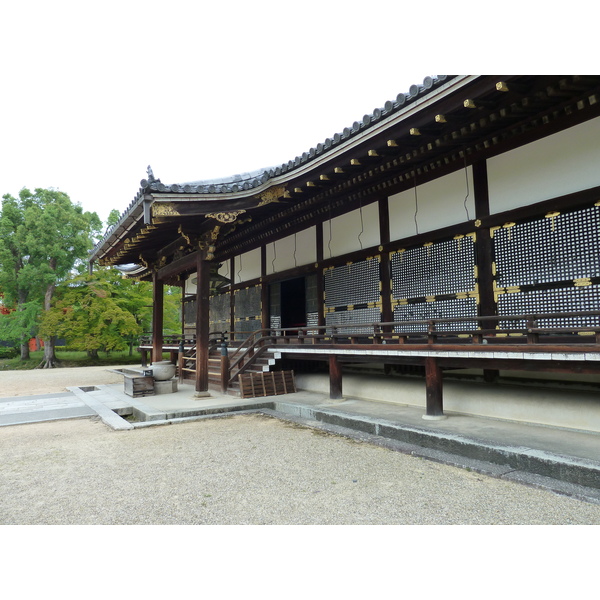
x: 113, y: 218
x: 17, y: 326
x: 43, y: 238
x: 92, y: 314
x: 104, y: 311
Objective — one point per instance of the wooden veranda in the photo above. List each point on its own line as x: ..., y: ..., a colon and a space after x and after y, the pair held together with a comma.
x: 493, y: 343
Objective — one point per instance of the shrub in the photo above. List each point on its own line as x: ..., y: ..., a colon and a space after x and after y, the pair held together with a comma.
x: 8, y: 352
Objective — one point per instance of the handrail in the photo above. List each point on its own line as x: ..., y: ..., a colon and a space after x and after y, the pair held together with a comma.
x: 176, y: 339
x: 403, y: 331
x: 402, y: 328
x: 256, y: 344
x: 484, y: 329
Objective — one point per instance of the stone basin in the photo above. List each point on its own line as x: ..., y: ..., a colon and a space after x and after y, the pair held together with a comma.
x: 163, y: 370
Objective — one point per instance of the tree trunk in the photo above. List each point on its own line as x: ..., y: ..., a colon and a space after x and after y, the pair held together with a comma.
x: 24, y: 342
x: 92, y: 354
x: 50, y: 361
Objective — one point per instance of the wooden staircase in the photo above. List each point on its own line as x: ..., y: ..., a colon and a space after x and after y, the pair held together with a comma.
x: 260, y: 363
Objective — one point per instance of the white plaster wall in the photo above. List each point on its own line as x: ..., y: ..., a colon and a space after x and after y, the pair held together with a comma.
x: 225, y: 269
x: 292, y: 251
x: 560, y: 164
x: 190, y: 287
x: 346, y: 229
x: 439, y: 203
x: 247, y: 266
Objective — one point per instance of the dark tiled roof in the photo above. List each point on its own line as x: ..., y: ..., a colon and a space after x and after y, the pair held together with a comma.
x: 248, y: 181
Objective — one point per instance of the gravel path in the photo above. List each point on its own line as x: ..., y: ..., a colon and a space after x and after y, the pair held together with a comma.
x: 247, y: 470
x: 50, y: 381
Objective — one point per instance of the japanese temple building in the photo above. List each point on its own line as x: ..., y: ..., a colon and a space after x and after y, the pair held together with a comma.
x: 456, y: 229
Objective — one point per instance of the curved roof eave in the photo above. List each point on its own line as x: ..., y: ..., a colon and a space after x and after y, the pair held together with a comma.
x: 227, y: 187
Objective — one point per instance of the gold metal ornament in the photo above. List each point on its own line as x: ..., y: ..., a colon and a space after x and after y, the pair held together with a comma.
x: 164, y: 209
x: 271, y: 195
x: 226, y: 217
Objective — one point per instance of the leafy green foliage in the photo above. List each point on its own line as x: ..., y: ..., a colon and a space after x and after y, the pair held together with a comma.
x: 17, y: 326
x: 90, y: 315
x: 113, y: 218
x: 104, y: 312
x: 44, y: 240
x: 7, y: 352
x: 72, y: 359
x: 44, y: 237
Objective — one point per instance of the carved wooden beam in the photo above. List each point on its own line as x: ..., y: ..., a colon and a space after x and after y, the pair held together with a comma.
x: 164, y: 212
x: 183, y: 265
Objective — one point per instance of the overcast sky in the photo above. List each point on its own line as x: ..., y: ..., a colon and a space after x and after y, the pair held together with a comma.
x: 93, y: 93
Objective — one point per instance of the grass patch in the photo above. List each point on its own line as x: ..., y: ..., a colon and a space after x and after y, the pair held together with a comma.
x: 72, y: 359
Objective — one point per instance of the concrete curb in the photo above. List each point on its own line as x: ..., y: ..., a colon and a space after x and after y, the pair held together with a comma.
x: 572, y: 470
x: 575, y: 477
x: 140, y: 410
x: 490, y: 469
x: 108, y: 416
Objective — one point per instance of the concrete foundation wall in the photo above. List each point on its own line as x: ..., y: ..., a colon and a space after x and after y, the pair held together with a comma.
x: 557, y: 408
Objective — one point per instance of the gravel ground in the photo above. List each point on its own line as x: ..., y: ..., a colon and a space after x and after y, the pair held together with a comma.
x: 247, y: 470
x: 51, y: 381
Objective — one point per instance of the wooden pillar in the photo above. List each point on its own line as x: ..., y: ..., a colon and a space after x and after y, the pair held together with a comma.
x: 183, y: 310
x: 264, y: 291
x: 224, y: 368
x: 320, y: 283
x: 157, y: 317
x: 387, y: 313
x: 232, y: 299
x: 487, y: 303
x: 202, y: 324
x: 433, y: 384
x: 335, y: 378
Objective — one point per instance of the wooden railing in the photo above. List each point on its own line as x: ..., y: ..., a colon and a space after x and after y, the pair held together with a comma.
x: 461, y: 330
x: 497, y: 329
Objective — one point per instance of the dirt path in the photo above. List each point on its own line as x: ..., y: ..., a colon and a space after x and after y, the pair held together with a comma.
x: 51, y: 381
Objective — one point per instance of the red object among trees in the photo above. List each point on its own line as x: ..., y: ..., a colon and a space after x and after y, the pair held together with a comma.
x: 34, y: 343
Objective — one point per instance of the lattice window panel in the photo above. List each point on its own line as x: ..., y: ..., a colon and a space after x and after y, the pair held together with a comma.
x: 554, y: 248
x: 189, y: 312
x: 247, y: 326
x: 441, y: 309
x: 312, y: 320
x: 248, y: 303
x: 434, y: 270
x: 220, y: 312
x: 571, y: 299
x: 359, y: 315
x: 354, y: 283
x: 275, y: 299
x: 312, y: 294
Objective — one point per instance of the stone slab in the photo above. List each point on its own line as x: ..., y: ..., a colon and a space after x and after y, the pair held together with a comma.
x: 110, y: 418
x: 165, y: 387
x: 42, y: 415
